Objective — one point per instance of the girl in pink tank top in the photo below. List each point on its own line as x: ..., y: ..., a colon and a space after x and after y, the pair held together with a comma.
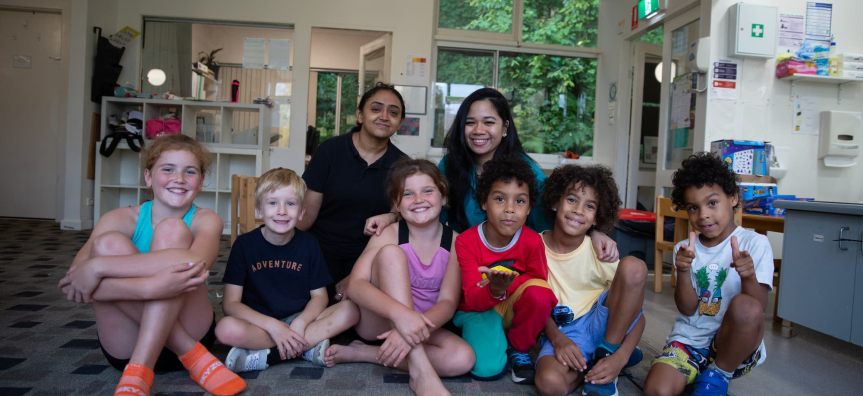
x: 407, y: 286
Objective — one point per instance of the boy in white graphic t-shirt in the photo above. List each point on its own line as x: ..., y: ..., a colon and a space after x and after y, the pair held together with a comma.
x: 724, y: 275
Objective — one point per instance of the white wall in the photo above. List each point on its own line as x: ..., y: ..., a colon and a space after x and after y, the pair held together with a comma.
x: 206, y: 38
x: 764, y: 111
x: 339, y: 49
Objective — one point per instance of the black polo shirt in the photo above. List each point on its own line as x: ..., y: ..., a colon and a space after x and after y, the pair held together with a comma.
x: 353, y: 191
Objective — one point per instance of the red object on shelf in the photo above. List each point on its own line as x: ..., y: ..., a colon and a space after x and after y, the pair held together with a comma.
x: 636, y: 215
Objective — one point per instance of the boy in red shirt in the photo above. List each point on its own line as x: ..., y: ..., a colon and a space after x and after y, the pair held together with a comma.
x: 506, y: 297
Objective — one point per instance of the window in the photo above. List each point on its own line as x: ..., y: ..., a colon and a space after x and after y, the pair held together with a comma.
x: 552, y: 97
x: 571, y: 23
x: 561, y: 22
x: 335, y: 103
x: 552, y: 100
x: 459, y: 72
x: 488, y: 15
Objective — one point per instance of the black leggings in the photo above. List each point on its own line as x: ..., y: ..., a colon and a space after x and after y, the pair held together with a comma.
x: 168, y: 361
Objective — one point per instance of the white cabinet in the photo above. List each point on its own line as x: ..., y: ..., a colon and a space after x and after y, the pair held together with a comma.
x: 120, y: 181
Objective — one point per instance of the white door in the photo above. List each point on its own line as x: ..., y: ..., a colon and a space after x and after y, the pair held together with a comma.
x: 30, y: 112
x: 679, y: 130
x: 375, y: 59
x: 644, y: 122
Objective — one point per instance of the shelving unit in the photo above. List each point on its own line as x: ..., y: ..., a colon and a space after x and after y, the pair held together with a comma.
x: 120, y: 181
x: 811, y: 78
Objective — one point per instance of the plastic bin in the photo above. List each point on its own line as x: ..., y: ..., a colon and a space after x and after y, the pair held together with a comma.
x: 635, y: 234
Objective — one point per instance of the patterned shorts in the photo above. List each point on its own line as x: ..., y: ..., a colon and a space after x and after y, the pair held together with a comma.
x: 692, y: 361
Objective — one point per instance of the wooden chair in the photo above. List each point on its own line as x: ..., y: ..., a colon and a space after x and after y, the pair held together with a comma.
x: 664, y: 208
x: 243, y: 205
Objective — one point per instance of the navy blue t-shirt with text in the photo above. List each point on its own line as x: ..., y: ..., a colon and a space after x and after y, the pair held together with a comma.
x: 276, y: 280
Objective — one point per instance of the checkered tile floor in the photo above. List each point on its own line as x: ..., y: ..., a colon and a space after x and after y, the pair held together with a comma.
x: 48, y: 345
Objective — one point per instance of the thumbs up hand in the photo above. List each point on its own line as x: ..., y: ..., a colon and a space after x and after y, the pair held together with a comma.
x: 742, y: 261
x: 686, y: 254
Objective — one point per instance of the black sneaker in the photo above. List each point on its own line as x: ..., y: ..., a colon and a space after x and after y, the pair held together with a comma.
x: 521, y: 366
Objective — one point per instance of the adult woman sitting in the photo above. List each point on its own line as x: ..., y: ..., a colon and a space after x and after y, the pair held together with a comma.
x: 346, y: 180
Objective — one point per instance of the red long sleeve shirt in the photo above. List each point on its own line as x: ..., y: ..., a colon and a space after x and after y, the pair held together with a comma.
x: 526, y: 249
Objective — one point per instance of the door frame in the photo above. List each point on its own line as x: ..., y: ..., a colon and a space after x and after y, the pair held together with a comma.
x: 635, y: 176
x: 664, y: 176
x: 385, y: 42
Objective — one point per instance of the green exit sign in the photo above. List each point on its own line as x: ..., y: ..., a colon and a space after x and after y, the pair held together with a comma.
x: 757, y: 30
x: 647, y: 8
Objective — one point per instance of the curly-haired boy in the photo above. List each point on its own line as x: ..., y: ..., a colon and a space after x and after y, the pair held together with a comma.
x: 510, y: 306
x: 597, y: 323
x: 724, y: 276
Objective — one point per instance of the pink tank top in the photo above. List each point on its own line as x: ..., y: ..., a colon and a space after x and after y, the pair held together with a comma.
x: 426, y: 279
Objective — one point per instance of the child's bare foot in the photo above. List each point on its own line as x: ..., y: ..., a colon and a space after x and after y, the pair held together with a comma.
x: 356, y: 351
x: 428, y: 385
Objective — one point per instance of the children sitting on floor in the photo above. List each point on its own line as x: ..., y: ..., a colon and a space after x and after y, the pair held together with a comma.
x: 275, y: 285
x: 597, y: 323
x: 713, y: 341
x: 407, y: 286
x: 502, y: 315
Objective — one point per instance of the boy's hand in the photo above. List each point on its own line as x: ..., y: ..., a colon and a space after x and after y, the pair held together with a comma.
x: 742, y: 261
x: 605, y: 370
x: 498, y: 281
x: 568, y: 354
x: 413, y: 326
x: 393, y: 350
x: 686, y: 254
x: 604, y: 246
x: 290, y: 343
x: 299, y: 327
x: 177, y: 279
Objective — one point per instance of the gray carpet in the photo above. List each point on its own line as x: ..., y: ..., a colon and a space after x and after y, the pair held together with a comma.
x: 48, y: 345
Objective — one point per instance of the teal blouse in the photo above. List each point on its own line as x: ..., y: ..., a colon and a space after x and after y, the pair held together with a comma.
x: 536, y: 220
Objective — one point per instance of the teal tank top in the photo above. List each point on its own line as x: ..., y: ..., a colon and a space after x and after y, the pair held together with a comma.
x: 144, y: 229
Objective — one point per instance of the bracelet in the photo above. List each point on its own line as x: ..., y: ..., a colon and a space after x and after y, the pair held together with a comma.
x: 501, y: 298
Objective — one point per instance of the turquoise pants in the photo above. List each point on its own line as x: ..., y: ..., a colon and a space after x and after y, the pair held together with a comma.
x: 483, y: 331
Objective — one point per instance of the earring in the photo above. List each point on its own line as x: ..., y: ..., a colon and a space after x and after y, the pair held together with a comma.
x: 504, y: 134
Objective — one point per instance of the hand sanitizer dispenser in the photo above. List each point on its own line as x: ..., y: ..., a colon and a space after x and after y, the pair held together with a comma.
x: 840, y: 136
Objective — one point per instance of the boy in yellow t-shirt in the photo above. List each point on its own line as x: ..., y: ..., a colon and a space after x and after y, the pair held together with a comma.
x: 597, y: 324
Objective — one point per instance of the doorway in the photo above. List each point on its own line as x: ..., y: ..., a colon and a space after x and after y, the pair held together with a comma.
x: 644, y: 125
x: 30, y: 107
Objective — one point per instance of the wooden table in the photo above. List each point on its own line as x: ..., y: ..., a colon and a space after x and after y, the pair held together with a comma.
x: 762, y: 224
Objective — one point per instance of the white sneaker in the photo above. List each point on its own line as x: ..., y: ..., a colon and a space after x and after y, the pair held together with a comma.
x: 316, y: 354
x: 240, y: 360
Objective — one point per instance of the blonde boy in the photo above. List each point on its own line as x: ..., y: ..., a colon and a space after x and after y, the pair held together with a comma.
x: 275, y: 285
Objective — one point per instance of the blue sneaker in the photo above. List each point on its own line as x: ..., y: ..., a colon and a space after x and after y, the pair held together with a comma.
x: 710, y: 383
x: 522, y: 368
x: 609, y: 389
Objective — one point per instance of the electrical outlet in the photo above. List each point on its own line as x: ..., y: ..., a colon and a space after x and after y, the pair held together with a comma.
x: 90, y: 202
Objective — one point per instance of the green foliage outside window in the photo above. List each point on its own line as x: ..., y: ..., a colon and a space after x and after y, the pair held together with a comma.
x: 325, y: 107
x: 552, y: 97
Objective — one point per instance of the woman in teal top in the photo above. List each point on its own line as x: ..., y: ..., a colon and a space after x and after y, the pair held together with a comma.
x: 483, y: 127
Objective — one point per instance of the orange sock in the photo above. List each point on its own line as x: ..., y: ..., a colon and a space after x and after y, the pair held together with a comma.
x: 210, y: 373
x: 136, y: 380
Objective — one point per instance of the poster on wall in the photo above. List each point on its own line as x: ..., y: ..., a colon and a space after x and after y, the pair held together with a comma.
x: 725, y: 75
x: 410, y: 127
x: 279, y: 54
x: 806, y: 115
x: 416, y: 70
x: 415, y: 98
x: 791, y: 32
x: 819, y: 21
x: 253, y: 53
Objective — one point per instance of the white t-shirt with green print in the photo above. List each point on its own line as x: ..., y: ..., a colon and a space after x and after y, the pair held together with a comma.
x: 716, y: 283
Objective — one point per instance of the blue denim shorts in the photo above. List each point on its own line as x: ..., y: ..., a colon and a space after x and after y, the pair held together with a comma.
x: 587, y: 331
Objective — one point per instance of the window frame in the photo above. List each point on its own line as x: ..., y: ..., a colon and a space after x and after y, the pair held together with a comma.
x: 545, y: 161
x: 340, y: 73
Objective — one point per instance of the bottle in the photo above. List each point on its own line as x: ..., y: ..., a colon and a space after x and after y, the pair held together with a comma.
x: 833, y: 59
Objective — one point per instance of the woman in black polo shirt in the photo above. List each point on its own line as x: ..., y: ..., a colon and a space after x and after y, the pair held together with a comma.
x: 346, y: 179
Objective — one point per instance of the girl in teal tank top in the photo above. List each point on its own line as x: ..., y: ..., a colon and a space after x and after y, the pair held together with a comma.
x: 145, y: 268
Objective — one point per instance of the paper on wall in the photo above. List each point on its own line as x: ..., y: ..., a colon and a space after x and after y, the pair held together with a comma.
x: 253, y: 53
x: 416, y: 70
x: 681, y: 102
x: 279, y: 54
x: 819, y: 21
x: 806, y: 114
x: 724, y: 79
x: 791, y: 32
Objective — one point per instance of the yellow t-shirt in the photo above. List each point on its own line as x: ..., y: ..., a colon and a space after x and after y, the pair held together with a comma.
x: 578, y: 278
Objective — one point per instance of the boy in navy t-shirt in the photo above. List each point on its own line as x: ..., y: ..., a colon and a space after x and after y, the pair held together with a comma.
x: 275, y: 285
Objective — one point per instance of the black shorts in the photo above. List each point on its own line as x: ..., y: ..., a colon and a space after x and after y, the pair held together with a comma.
x: 168, y: 361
